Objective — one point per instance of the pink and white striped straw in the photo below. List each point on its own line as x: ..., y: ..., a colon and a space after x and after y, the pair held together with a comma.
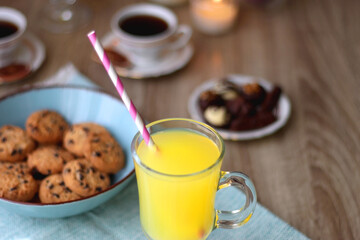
x: 120, y: 88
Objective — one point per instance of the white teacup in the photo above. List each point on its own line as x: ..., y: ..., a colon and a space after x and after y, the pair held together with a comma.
x: 9, y: 18
x: 147, y: 32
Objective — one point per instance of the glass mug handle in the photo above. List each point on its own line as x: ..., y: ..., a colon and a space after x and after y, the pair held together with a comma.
x: 236, y: 218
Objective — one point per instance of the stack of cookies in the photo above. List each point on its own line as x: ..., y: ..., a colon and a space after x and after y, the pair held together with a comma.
x: 55, y: 162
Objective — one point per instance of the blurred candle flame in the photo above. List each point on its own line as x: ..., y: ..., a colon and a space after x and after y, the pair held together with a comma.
x: 214, y: 16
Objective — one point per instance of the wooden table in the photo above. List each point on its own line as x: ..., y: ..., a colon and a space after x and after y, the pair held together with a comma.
x: 308, y: 172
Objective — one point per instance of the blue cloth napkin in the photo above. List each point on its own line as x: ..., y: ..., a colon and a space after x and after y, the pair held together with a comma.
x: 119, y: 217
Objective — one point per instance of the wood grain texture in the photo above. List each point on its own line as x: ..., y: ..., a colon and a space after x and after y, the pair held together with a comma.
x: 308, y: 172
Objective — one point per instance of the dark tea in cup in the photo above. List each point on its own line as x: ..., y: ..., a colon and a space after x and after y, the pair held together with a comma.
x: 147, y: 32
x: 7, y: 29
x: 143, y: 25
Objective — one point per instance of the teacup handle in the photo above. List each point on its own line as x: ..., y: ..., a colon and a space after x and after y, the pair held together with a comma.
x: 236, y: 218
x: 182, y: 37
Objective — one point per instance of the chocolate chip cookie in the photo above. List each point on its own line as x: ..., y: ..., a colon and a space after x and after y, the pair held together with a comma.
x: 46, y: 126
x: 15, y: 144
x: 82, y: 178
x: 104, y: 153
x: 49, y: 159
x: 21, y: 167
x: 75, y: 137
x: 17, y: 186
x: 54, y: 190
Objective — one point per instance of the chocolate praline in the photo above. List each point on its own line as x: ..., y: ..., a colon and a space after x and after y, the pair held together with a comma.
x: 253, y: 93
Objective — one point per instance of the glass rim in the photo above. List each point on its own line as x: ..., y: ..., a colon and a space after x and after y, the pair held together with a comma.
x: 212, y: 130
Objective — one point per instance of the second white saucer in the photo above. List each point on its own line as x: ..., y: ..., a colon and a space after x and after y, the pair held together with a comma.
x: 172, y: 62
x: 31, y: 54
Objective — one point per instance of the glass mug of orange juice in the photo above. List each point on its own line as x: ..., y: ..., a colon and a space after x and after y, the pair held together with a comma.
x: 178, y: 181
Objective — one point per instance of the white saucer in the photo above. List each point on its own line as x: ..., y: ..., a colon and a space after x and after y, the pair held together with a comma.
x: 31, y: 52
x: 283, y: 110
x: 169, y: 64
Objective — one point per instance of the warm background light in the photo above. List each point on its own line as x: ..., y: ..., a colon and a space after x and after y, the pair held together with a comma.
x: 214, y: 16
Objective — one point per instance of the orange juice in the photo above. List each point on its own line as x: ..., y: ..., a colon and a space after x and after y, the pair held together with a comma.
x: 176, y: 203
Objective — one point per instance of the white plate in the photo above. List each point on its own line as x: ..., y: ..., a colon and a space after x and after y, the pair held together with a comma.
x: 284, y: 108
x: 172, y: 62
x: 31, y: 52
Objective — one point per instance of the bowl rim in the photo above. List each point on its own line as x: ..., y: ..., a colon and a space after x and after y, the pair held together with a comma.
x: 26, y: 89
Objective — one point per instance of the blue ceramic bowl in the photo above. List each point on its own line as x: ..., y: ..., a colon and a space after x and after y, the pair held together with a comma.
x: 76, y: 105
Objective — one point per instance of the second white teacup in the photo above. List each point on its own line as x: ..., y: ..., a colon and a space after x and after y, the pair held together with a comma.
x: 148, y: 31
x: 12, y: 27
